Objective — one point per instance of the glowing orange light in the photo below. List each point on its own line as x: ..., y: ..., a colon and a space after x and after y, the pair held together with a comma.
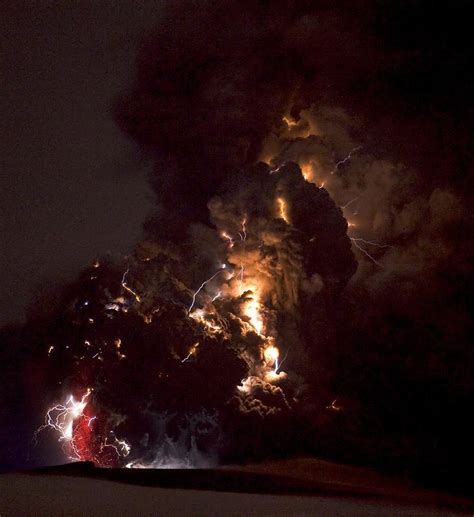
x: 307, y: 171
x: 333, y: 406
x: 282, y: 209
x: 228, y: 238
x: 202, y: 317
x: 252, y: 311
x: 271, y: 354
x: 272, y: 376
x: 289, y: 122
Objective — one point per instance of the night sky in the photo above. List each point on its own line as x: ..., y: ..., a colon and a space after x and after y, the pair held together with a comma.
x: 72, y: 185
x: 309, y: 162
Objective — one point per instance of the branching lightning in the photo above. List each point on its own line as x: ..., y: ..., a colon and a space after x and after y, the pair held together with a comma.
x: 61, y: 418
x: 202, y: 286
x: 357, y: 243
x: 243, y: 232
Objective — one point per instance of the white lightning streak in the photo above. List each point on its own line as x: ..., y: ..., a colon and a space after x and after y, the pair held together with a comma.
x: 278, y: 365
x: 372, y: 243
x: 187, y: 357
x: 350, y: 202
x: 191, y: 352
x: 272, y: 171
x: 202, y: 286
x: 125, y: 286
x: 357, y: 240
x: 243, y: 233
x: 122, y: 444
x: 346, y: 159
x: 61, y: 418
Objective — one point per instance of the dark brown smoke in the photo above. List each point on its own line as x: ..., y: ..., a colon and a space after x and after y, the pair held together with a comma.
x: 214, y: 79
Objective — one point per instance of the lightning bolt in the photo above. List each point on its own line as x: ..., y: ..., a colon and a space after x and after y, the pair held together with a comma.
x: 346, y: 159
x: 202, y: 286
x: 191, y: 352
x: 276, y: 169
x: 216, y: 296
x: 349, y: 202
x: 243, y: 233
x: 61, y: 419
x: 278, y: 365
x: 228, y: 238
x: 357, y: 240
x: 119, y: 444
x: 125, y: 286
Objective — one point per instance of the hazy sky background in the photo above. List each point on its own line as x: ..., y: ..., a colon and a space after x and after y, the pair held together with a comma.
x: 69, y: 185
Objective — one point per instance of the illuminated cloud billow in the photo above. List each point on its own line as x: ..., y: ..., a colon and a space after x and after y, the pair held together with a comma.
x: 150, y: 351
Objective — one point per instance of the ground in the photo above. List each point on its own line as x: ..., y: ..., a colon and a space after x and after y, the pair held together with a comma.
x: 296, y: 487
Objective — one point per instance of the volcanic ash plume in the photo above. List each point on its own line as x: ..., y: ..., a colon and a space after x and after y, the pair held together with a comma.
x: 227, y: 334
x: 163, y: 357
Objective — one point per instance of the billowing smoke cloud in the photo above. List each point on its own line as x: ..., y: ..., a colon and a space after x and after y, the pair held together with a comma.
x: 402, y: 318
x: 281, y: 297
x: 213, y: 81
x: 398, y: 227
x: 165, y: 351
